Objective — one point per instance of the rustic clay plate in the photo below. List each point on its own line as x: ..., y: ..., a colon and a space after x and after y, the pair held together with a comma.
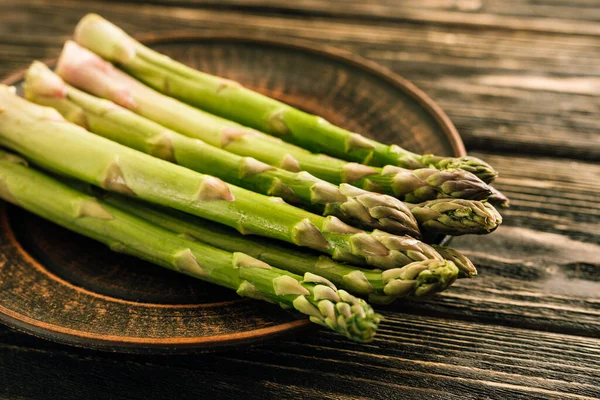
x: 66, y: 288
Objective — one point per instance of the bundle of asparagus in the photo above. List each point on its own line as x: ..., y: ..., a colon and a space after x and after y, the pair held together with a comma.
x: 42, y: 135
x: 231, y: 100
x: 87, y: 71
x: 309, y: 294
x: 357, y: 207
x: 154, y: 177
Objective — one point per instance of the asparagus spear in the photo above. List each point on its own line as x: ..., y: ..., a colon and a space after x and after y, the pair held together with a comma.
x: 357, y: 207
x: 85, y: 70
x: 231, y: 100
x: 42, y: 135
x: 311, y: 295
x: 465, y: 266
x: 456, y: 216
x: 416, y: 280
x: 498, y: 198
x: 363, y: 282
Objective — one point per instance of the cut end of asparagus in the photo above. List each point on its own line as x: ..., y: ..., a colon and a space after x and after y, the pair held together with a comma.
x: 456, y: 216
x: 41, y: 81
x: 93, y: 30
x: 314, y: 296
x: 420, y: 279
x: 87, y: 71
x: 465, y: 266
x: 11, y: 103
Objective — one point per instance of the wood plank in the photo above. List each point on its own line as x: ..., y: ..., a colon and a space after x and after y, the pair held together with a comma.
x: 535, y: 93
x: 414, y: 357
x: 513, y: 14
x: 540, y: 268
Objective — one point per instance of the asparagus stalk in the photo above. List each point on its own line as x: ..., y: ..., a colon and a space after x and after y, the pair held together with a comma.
x: 465, y: 266
x: 231, y: 100
x: 357, y: 207
x: 85, y: 70
x: 42, y: 135
x: 498, y: 198
x: 311, y: 295
x: 456, y: 216
x: 362, y: 282
x: 420, y: 279
x: 415, y: 280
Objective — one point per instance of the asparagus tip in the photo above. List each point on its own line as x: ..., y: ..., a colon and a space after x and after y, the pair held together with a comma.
x: 343, y: 313
x: 457, y: 216
x: 420, y: 278
x: 466, y: 268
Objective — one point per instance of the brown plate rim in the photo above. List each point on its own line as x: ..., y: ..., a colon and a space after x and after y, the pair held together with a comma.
x: 176, y: 345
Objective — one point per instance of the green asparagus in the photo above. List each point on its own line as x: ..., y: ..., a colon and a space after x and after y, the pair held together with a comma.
x: 85, y: 70
x: 456, y: 216
x: 416, y: 280
x: 465, y: 266
x: 352, y: 205
x: 42, y: 135
x: 311, y: 295
x: 231, y: 100
x: 498, y: 198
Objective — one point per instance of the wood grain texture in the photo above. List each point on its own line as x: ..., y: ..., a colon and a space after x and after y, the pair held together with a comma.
x: 545, y: 15
x: 414, y: 357
x: 520, y: 80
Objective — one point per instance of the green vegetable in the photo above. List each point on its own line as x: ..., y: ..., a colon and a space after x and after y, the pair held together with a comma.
x: 415, y: 280
x: 232, y: 101
x: 311, y: 295
x: 465, y: 266
x: 87, y: 71
x: 357, y: 207
x: 42, y: 135
x: 456, y: 216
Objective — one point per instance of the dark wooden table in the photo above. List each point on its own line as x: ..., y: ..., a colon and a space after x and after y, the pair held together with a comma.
x: 521, y: 81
